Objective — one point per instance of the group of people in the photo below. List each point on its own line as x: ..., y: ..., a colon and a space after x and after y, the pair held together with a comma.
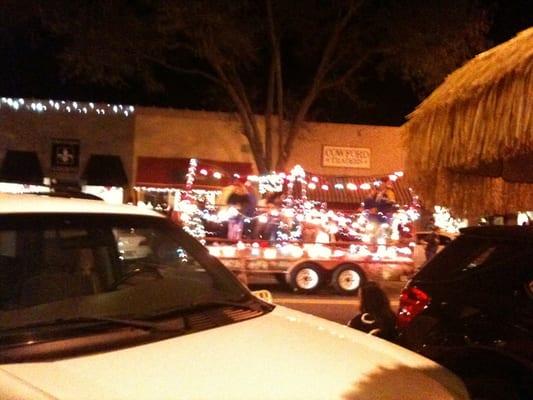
x: 242, y: 197
x: 380, y: 202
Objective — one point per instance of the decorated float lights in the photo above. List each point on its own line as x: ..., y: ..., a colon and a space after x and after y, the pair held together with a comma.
x: 274, y: 182
x: 300, y: 210
x: 312, y: 250
x: 446, y: 222
x: 41, y: 106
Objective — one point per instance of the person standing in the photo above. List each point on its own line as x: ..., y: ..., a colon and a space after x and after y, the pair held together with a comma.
x: 376, y: 316
x: 432, y: 243
x: 235, y: 196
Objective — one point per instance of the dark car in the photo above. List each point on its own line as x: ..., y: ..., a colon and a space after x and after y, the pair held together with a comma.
x: 444, y: 238
x: 470, y: 308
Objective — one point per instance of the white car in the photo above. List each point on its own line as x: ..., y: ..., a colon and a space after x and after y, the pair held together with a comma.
x: 78, y: 321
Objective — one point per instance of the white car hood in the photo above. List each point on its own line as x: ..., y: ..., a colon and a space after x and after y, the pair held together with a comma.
x: 282, y: 355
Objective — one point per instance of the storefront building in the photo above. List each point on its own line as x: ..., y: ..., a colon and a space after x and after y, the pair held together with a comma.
x: 341, y: 155
x: 66, y: 146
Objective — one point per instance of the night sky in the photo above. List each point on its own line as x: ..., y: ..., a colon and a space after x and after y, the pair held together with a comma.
x: 30, y: 68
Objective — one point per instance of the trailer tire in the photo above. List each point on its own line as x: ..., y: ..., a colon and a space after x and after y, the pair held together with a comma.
x: 347, y: 279
x: 306, y: 277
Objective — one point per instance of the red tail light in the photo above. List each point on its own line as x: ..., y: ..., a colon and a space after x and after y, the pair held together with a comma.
x: 412, y: 302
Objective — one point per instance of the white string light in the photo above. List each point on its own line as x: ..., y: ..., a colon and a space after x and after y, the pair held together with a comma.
x: 40, y: 106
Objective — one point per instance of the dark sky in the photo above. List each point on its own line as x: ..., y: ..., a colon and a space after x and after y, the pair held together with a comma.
x: 29, y: 68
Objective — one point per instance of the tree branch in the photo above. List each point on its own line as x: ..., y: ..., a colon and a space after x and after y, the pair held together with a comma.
x: 322, y: 70
x: 269, y: 108
x: 181, y: 70
x: 341, y: 80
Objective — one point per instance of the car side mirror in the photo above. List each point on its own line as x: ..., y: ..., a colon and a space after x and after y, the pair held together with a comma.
x: 264, y: 295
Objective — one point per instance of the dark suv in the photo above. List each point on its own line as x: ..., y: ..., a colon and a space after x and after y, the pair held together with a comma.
x: 470, y: 308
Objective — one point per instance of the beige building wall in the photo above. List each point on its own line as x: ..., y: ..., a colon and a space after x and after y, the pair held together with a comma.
x: 184, y: 133
x: 384, y: 142
x: 172, y: 133
x: 24, y: 130
x: 216, y: 136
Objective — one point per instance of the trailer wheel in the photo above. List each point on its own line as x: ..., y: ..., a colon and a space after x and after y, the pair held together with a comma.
x: 306, y: 277
x: 347, y: 279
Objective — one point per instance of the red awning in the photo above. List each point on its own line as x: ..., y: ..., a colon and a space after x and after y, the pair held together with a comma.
x: 172, y: 172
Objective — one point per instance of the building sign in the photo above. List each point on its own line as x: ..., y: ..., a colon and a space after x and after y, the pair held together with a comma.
x: 352, y: 157
x: 65, y: 154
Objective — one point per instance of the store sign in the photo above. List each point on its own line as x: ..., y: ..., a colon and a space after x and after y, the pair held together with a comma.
x: 351, y: 157
x: 65, y: 153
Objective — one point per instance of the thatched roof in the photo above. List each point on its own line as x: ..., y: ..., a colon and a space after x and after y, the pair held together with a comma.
x: 461, y: 138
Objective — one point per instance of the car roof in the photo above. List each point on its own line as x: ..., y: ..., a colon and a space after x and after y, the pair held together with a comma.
x: 31, y: 203
x: 505, y: 232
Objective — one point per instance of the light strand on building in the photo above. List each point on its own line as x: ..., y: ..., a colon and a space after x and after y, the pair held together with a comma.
x: 71, y: 107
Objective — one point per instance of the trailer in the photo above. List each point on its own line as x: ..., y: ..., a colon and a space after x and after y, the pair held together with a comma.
x: 308, y: 267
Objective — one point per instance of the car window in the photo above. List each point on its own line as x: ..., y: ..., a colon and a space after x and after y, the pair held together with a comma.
x: 468, y: 253
x: 62, y: 267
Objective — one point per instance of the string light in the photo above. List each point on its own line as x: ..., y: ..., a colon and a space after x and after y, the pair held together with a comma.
x: 191, y: 174
x: 40, y: 106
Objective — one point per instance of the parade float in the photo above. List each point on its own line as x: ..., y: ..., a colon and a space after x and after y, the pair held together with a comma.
x: 298, y: 240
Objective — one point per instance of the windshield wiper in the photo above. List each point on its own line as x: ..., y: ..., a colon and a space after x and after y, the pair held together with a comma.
x: 135, y: 323
x: 211, y: 303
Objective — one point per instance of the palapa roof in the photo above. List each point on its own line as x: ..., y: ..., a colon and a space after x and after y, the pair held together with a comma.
x: 470, y: 143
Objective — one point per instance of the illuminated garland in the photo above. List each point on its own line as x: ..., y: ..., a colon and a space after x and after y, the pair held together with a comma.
x: 316, y: 251
x: 40, y: 106
x: 274, y: 182
x: 191, y: 174
x: 446, y: 222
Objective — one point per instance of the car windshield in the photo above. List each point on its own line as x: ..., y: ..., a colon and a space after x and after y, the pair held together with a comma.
x: 470, y: 253
x: 101, y: 267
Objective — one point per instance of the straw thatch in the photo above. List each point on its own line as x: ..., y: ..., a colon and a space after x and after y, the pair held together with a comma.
x: 481, y: 116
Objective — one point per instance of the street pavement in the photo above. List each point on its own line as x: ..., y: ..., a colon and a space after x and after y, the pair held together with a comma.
x: 325, y: 303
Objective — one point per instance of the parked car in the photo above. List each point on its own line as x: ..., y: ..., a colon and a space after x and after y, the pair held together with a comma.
x: 70, y: 193
x: 78, y: 320
x: 471, y: 309
x: 444, y: 237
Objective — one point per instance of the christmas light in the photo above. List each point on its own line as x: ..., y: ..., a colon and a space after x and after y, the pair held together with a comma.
x: 39, y: 106
x: 191, y: 174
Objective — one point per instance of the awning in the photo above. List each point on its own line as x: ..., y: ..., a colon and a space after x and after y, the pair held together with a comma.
x: 172, y: 172
x: 21, y: 167
x: 344, y: 198
x: 105, y: 170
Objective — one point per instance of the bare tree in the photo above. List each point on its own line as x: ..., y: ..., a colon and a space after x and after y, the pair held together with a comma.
x: 244, y: 48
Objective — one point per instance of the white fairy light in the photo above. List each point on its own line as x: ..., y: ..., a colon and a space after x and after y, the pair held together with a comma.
x: 270, y: 253
x: 41, y: 106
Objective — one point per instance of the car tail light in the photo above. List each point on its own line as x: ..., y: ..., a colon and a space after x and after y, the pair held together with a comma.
x: 412, y: 302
